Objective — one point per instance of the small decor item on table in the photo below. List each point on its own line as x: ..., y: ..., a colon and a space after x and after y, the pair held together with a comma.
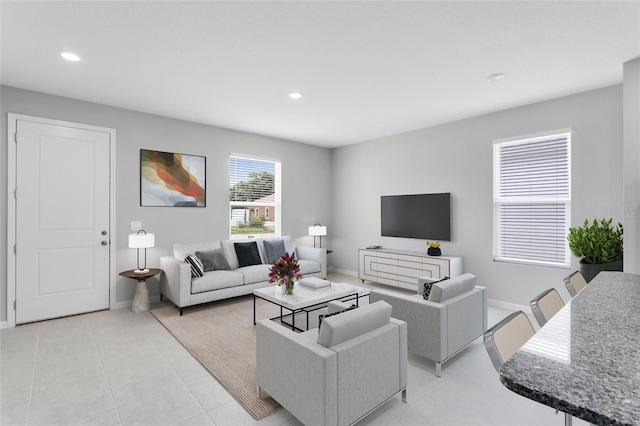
x: 284, y: 271
x: 434, y: 248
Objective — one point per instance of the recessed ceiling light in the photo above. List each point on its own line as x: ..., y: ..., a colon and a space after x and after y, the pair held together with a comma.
x: 70, y: 56
x: 295, y: 95
x: 495, y: 77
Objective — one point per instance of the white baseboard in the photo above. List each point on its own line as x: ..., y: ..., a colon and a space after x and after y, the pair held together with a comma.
x: 343, y: 272
x: 507, y: 305
x: 4, y: 324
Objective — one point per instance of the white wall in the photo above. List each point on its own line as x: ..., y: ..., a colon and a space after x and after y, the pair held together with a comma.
x: 303, y: 166
x: 457, y: 158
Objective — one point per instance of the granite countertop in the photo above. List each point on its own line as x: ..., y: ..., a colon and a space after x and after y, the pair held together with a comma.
x: 586, y: 360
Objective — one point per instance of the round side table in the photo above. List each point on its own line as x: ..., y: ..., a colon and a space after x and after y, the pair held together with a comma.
x: 141, y: 298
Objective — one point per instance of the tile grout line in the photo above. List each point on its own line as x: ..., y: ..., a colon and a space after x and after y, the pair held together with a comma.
x: 181, y: 381
x: 104, y: 373
x: 33, y: 373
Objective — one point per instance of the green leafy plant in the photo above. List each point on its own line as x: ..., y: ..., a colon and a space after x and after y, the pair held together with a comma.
x: 596, y: 242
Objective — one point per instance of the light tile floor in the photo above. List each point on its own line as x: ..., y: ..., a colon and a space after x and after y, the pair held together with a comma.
x: 121, y: 368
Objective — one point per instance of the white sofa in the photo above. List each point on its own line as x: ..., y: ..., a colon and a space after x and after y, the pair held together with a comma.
x: 179, y: 286
x: 336, y: 376
x: 438, y: 328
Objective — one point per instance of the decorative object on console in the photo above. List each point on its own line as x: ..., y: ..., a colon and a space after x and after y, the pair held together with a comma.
x: 172, y: 180
x: 285, y: 270
x: 434, y: 248
x: 599, y: 245
x: 141, y: 240
x: 317, y: 230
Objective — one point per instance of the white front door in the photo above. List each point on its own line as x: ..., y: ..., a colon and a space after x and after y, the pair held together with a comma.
x: 62, y: 220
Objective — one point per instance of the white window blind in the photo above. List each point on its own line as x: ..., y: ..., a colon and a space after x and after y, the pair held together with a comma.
x: 532, y: 200
x: 254, y: 187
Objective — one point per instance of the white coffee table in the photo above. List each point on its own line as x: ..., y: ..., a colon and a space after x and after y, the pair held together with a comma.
x: 306, y: 299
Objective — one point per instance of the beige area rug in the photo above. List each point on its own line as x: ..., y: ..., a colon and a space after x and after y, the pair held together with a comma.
x: 221, y: 335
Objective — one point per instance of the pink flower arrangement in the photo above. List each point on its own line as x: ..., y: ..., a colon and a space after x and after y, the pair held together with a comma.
x: 285, y: 269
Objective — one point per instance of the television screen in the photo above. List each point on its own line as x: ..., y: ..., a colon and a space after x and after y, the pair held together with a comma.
x: 423, y: 216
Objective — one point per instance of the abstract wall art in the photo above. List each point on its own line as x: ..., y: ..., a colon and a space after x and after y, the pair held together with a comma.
x: 172, y: 180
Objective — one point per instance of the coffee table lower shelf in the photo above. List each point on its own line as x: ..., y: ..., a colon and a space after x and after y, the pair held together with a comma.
x: 313, y: 306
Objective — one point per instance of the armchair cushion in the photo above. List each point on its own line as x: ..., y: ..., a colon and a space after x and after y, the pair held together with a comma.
x: 348, y: 325
x: 428, y: 285
x: 331, y: 312
x: 453, y: 287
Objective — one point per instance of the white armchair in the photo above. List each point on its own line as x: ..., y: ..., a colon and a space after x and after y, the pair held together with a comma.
x: 454, y: 316
x: 354, y: 364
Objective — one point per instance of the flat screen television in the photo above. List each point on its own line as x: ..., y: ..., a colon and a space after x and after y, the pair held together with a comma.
x: 422, y: 216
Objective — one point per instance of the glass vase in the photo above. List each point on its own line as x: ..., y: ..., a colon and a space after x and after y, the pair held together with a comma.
x: 287, y: 287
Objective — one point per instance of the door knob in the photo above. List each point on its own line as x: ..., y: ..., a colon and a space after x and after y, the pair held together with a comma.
x: 104, y: 243
x: 104, y: 232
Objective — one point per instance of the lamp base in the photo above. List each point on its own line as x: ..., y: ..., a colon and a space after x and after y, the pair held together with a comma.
x: 141, y: 271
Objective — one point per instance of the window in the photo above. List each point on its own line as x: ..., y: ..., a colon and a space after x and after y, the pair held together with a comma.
x: 532, y: 199
x: 254, y: 186
x: 266, y: 212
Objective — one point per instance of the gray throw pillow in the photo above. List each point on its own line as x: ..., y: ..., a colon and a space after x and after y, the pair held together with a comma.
x: 273, y: 249
x: 247, y: 253
x: 213, y: 260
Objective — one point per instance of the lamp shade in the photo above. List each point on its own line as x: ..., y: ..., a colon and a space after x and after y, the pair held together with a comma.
x: 317, y: 231
x: 141, y: 240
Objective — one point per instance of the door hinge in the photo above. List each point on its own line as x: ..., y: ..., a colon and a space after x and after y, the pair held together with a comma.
x: 14, y: 248
x: 15, y: 194
x: 15, y: 137
x: 14, y: 305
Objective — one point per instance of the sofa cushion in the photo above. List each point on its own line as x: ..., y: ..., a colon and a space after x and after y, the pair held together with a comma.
x: 273, y: 249
x: 348, y: 325
x: 254, y: 273
x: 213, y: 260
x: 452, y: 287
x: 215, y: 280
x: 197, y: 268
x: 309, y: 267
x: 247, y: 254
x: 180, y: 250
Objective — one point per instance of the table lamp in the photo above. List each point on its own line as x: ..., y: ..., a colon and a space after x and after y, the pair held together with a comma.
x: 317, y: 230
x: 141, y: 240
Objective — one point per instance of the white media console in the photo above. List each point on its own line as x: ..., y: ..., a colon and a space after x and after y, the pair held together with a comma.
x: 401, y: 268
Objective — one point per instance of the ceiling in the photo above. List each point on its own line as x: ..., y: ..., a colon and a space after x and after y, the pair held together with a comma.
x: 366, y: 69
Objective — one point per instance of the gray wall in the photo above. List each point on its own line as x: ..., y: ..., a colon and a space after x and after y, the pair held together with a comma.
x: 458, y: 158
x: 303, y: 167
x: 342, y: 187
x: 631, y: 166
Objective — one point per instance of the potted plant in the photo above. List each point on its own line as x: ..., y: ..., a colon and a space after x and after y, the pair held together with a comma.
x: 599, y: 245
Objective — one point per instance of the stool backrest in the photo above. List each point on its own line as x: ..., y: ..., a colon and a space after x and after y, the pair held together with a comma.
x: 574, y: 283
x: 546, y: 305
x: 506, y: 337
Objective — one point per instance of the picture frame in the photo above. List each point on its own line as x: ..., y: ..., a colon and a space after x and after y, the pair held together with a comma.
x: 169, y: 179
